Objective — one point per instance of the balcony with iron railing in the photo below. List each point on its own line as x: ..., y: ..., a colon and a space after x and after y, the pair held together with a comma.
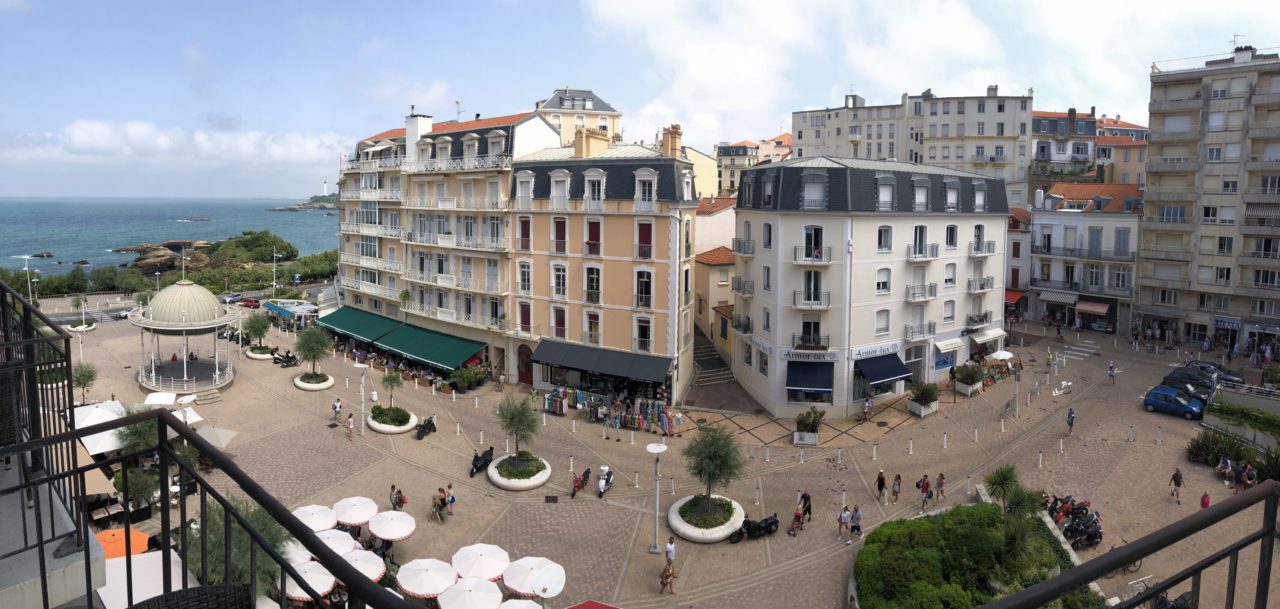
x: 591, y: 248
x: 370, y: 262
x: 558, y: 246
x: 454, y: 203
x: 524, y: 330
x: 743, y: 287
x: 810, y: 299
x: 1107, y: 289
x: 443, y: 280
x: 982, y: 248
x: 973, y: 321
x: 1263, y: 162
x: 487, y: 162
x: 377, y: 164
x: 590, y: 338
x: 922, y: 292
x: 371, y: 194
x: 644, y: 301
x: 811, y: 342
x: 981, y: 284
x: 742, y: 324
x: 591, y: 296
x: 744, y: 247
x: 1054, y: 284
x: 429, y: 238
x: 917, y: 252
x: 1180, y: 194
x: 644, y: 251
x: 812, y: 255
x: 920, y: 331
x: 1167, y: 223
x: 369, y: 287
x: 480, y: 242
x: 1169, y: 164
x: 372, y: 230
x: 1257, y: 256
x: 642, y: 345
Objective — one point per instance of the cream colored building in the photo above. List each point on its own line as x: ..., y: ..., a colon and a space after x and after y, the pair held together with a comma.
x: 988, y: 134
x: 704, y: 171
x: 774, y: 149
x: 731, y: 160
x: 1124, y: 160
x: 715, y: 222
x: 1209, y: 265
x: 712, y: 275
x: 570, y: 109
x: 839, y: 296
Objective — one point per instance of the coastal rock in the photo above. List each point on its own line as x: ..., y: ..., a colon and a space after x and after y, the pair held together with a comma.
x: 156, y: 260
x: 43, y: 255
x: 82, y: 262
x: 173, y: 245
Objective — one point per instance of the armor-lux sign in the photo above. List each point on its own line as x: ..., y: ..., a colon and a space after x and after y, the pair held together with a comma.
x: 876, y: 350
x: 799, y: 355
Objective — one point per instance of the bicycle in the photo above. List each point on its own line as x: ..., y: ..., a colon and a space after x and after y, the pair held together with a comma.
x: 1128, y: 569
x: 1137, y: 586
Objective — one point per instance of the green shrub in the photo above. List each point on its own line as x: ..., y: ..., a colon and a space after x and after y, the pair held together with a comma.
x: 393, y: 416
x: 1209, y: 446
x: 924, y: 393
x: 811, y: 420
x: 260, y: 350
x: 1268, y: 465
x: 522, y: 466
x: 969, y: 374
x: 315, y: 378
x: 691, y: 508
x: 1271, y: 374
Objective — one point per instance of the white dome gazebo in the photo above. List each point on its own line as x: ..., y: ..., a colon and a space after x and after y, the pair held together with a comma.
x: 183, y: 310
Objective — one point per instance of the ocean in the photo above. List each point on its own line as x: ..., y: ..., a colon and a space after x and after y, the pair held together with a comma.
x: 87, y: 228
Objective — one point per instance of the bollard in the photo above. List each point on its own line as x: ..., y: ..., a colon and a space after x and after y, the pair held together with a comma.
x: 573, y: 426
x: 802, y: 455
x: 1115, y: 343
x: 455, y: 396
x: 844, y: 497
x: 840, y: 456
x: 975, y: 435
x: 873, y: 451
x: 968, y: 485
x: 1001, y: 424
x: 415, y: 383
x: 1130, y: 433
x: 673, y: 486
x: 604, y: 431
x: 1022, y: 341
x: 633, y: 437
x: 544, y: 419
x: 571, y: 464
x: 508, y: 446
x: 638, y: 479
x: 482, y: 437
x: 944, y: 439
x: 911, y: 450
x: 348, y: 380
x: 1159, y: 434
x: 1060, y: 449
x: 433, y: 389
x: 477, y: 401
x: 1040, y: 458
x: 766, y: 453
x: 755, y: 497
x: 458, y: 431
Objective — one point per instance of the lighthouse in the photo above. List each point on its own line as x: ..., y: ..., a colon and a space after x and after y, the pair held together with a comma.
x: 326, y: 188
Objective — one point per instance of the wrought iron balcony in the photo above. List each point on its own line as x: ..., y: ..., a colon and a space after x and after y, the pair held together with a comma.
x: 811, y: 342
x: 742, y: 323
x: 919, y: 332
x: 922, y: 292
x: 370, y: 262
x: 474, y: 163
x: 371, y: 194
x: 378, y: 164
x: 977, y: 320
x: 743, y: 287
x: 981, y: 284
x: 982, y: 248
x: 812, y: 255
x: 922, y: 251
x: 1053, y: 284
x: 372, y: 230
x: 644, y: 301
x: 744, y: 247
x: 591, y: 296
x: 808, y: 299
x: 644, y: 252
x: 643, y: 345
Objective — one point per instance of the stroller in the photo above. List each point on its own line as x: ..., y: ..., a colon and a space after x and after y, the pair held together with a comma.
x: 797, y: 523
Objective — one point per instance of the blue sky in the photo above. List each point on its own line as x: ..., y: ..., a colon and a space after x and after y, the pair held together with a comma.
x: 136, y: 98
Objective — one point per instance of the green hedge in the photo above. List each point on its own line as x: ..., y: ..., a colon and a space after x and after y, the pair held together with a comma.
x: 522, y: 466
x: 689, y: 512
x: 394, y: 416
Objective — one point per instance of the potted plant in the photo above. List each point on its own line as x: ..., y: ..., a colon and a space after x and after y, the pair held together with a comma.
x: 969, y: 379
x: 807, y: 425
x: 924, y: 399
x: 522, y: 470
x: 256, y: 328
x: 312, y: 347
x: 713, y: 458
x: 458, y: 380
x: 391, y: 382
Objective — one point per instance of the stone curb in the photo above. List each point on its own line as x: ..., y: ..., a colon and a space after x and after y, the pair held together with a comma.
x: 508, y: 484
x: 697, y: 535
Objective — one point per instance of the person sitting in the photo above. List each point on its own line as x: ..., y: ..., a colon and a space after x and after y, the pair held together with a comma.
x: 1224, y: 467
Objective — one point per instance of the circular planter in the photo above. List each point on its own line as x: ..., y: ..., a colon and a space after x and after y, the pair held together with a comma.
x: 297, y: 382
x: 260, y: 357
x: 508, y: 484
x: 392, y: 429
x: 697, y: 535
x: 88, y: 328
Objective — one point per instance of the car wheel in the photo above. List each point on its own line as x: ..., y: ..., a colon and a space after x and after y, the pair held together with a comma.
x: 1190, y: 416
x: 1151, y: 408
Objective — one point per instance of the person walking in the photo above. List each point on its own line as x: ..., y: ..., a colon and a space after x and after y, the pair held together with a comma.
x: 439, y: 504
x: 1176, y: 483
x: 449, y: 495
x: 897, y: 487
x: 1071, y: 420
x: 855, y: 524
x: 668, y: 578
x: 351, y: 427
x: 1111, y: 371
x: 1204, y: 501
x: 880, y: 485
x: 395, y: 501
x: 337, y: 409
x: 940, y: 487
x: 924, y: 486
x: 866, y: 409
x: 670, y: 551
x: 806, y: 506
x: 843, y: 520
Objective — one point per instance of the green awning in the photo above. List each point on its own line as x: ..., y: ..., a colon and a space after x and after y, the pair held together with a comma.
x: 429, y: 347
x: 358, y: 324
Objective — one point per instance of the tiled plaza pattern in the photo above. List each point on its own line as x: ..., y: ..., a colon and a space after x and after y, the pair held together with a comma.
x: 285, y: 443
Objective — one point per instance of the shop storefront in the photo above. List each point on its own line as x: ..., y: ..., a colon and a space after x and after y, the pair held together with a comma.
x: 390, y: 344
x: 1056, y: 307
x: 603, y: 374
x: 1098, y: 314
x: 879, y: 370
x: 948, y: 353
x: 1258, y: 335
x: 1226, y: 333
x: 985, y: 343
x: 810, y: 375
x: 1015, y: 304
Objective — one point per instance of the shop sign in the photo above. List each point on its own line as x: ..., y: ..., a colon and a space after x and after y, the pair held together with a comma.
x: 946, y: 359
x: 1264, y: 329
x: 762, y: 346
x: 1226, y: 324
x: 877, y: 350
x: 802, y: 355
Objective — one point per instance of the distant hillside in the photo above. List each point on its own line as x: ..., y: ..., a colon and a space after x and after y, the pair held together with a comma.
x: 329, y: 201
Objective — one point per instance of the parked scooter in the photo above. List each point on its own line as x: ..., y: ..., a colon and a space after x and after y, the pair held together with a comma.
x: 580, y: 482
x: 1053, y: 503
x: 1079, y: 524
x: 606, y: 480
x: 481, y: 461
x: 1089, y: 538
x: 426, y: 427
x: 1182, y: 602
x: 751, y: 529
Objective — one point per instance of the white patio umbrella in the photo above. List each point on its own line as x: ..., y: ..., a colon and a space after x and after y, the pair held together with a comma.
x: 471, y: 593
x: 425, y: 577
x: 161, y: 398
x: 187, y: 399
x: 217, y: 436
x: 96, y: 444
x: 548, y: 582
x: 188, y: 415
x: 519, y: 603
x: 355, y: 511
x: 315, y: 575
x: 316, y: 517
x: 1001, y: 355
x: 368, y: 563
x: 294, y: 552
x: 518, y: 576
x: 341, y: 542
x: 481, y: 560
x: 392, y: 526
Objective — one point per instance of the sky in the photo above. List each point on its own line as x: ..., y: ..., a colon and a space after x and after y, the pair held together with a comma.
x: 260, y: 99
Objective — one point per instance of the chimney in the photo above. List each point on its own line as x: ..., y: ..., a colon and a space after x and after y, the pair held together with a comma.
x: 1093, y: 110
x: 588, y: 142
x: 670, y: 141
x: 416, y: 126
x: 477, y: 116
x: 1117, y: 118
x: 1071, y: 115
x: 1244, y: 54
x: 993, y: 90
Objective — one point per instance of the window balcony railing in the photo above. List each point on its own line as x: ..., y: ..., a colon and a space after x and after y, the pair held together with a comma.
x: 812, y: 255
x: 462, y: 163
x: 482, y: 283
x: 369, y: 287
x: 977, y: 320
x: 523, y: 243
x: 591, y: 338
x: 811, y: 342
x: 592, y: 248
x: 982, y: 248
x: 372, y: 230
x: 370, y: 262
x: 378, y: 164
x: 591, y: 296
x: 981, y: 284
x: 922, y: 251
x: 743, y: 287
x: 559, y: 246
x: 920, y: 331
x: 742, y: 323
x: 744, y: 247
x: 644, y: 252
x: 371, y: 194
x: 644, y: 301
x: 525, y: 330
x: 643, y: 345
x: 1054, y: 284
x: 922, y: 292
x: 808, y: 299
x: 480, y: 242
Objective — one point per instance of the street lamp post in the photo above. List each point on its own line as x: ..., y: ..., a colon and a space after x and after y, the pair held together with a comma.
x: 36, y: 283
x: 157, y: 274
x: 26, y: 260
x: 656, y: 450
x: 363, y: 368
x: 275, y: 257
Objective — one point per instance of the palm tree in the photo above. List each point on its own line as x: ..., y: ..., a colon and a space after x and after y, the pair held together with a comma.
x: 1017, y: 540
x: 312, y: 346
x: 83, y: 376
x: 515, y: 415
x: 1001, y: 481
x: 1021, y: 502
x: 391, y: 381
x: 256, y: 327
x: 713, y: 458
x: 77, y: 302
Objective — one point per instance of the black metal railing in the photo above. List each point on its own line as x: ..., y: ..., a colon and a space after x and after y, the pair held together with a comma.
x: 1266, y: 493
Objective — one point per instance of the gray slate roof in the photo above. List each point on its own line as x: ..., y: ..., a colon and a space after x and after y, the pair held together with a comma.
x: 554, y: 101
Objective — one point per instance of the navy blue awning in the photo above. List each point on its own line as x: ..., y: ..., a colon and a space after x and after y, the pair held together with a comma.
x: 814, y: 377
x: 882, y: 369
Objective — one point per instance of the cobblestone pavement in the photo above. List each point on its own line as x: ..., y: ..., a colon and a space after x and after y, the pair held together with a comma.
x: 285, y: 442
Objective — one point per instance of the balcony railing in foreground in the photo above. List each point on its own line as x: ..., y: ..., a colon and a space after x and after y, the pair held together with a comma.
x: 214, y: 515
x: 1266, y: 493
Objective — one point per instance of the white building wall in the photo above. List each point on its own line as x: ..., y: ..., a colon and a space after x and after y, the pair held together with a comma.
x: 714, y: 230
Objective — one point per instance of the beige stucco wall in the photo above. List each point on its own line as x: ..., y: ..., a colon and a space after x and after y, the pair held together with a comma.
x: 715, y: 230
x: 710, y: 292
x: 704, y: 172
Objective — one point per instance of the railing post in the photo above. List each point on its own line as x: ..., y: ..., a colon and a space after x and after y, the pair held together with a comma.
x: 166, y: 574
x: 1266, y: 547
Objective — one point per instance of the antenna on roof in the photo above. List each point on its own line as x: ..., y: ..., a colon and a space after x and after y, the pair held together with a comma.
x: 1235, y: 40
x: 457, y: 115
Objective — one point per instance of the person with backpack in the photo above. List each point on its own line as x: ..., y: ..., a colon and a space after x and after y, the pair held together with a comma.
x: 880, y: 484
x: 925, y: 491
x: 1071, y: 420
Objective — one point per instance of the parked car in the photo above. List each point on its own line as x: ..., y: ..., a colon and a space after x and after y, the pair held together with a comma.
x: 1172, y: 401
x: 250, y: 303
x: 1224, y: 375
x: 1199, y: 393
x: 1196, y: 377
x: 234, y: 297
x: 125, y: 313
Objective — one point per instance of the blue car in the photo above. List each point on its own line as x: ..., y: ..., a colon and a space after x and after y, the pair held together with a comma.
x: 1172, y: 401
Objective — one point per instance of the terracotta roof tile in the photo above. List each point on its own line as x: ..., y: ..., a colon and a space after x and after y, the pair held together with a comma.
x: 746, y: 143
x: 484, y: 123
x: 726, y: 310
x: 1021, y: 215
x: 784, y: 138
x: 1111, y: 122
x: 708, y: 206
x: 388, y: 134
x: 1118, y: 140
x: 718, y: 256
x: 1086, y: 192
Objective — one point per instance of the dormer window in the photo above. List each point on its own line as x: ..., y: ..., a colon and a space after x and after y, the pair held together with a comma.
x: 497, y: 141
x: 560, y: 189
x: 524, y: 190
x: 885, y: 183
x: 593, y: 189
x: 979, y: 196
x: 920, y: 200
x: 646, y: 189
x: 443, y: 146
x: 815, y: 189
x: 688, y: 186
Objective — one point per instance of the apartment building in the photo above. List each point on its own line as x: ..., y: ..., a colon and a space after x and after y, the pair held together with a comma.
x: 1017, y: 270
x: 1122, y: 159
x: 1064, y: 141
x: 704, y: 166
x: 854, y: 276
x: 569, y: 109
x: 1083, y: 255
x: 712, y: 276
x: 1113, y: 126
x: 984, y: 134
x: 776, y: 148
x: 1209, y: 265
x: 715, y: 222
x: 731, y: 160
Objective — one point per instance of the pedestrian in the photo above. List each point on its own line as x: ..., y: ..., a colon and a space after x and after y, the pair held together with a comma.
x: 1071, y: 420
x: 843, y: 520
x: 940, y: 487
x: 866, y: 409
x: 855, y: 523
x: 668, y: 579
x: 1111, y: 371
x: 952, y: 374
x: 670, y: 551
x: 806, y: 506
x: 395, y: 503
x: 449, y: 493
x: 337, y: 409
x: 923, y: 485
x: 1176, y: 483
x: 853, y: 602
x: 439, y: 504
x: 1204, y: 501
x: 351, y: 427
x: 1048, y: 361
x: 1237, y: 477
x: 880, y: 485
x: 897, y: 487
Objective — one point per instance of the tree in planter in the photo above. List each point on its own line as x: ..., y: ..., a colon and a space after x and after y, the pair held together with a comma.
x: 83, y: 376
x: 810, y: 421
x: 143, y: 484
x: 312, y: 346
x: 516, y: 416
x: 969, y: 374
x: 78, y: 302
x: 391, y: 381
x: 1002, y: 481
x: 256, y: 328
x: 713, y: 458
x: 924, y: 393
x: 216, y: 521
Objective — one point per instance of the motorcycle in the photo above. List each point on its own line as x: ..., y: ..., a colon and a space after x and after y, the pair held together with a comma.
x: 289, y: 361
x: 426, y: 427
x: 580, y: 482
x: 481, y: 461
x: 606, y: 480
x: 751, y: 529
x: 1182, y: 602
x: 1069, y: 509
x: 1087, y: 539
x: 1079, y: 524
x: 1053, y: 503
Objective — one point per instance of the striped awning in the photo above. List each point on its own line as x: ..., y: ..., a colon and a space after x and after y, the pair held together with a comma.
x: 1269, y: 212
x: 1058, y: 298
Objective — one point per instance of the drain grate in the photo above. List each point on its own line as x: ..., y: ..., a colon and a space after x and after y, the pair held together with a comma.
x: 332, y: 425
x: 882, y: 423
x: 552, y: 499
x: 701, y: 420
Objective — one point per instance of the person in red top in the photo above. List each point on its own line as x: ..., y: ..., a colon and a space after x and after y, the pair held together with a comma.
x: 1204, y: 501
x: 924, y: 492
